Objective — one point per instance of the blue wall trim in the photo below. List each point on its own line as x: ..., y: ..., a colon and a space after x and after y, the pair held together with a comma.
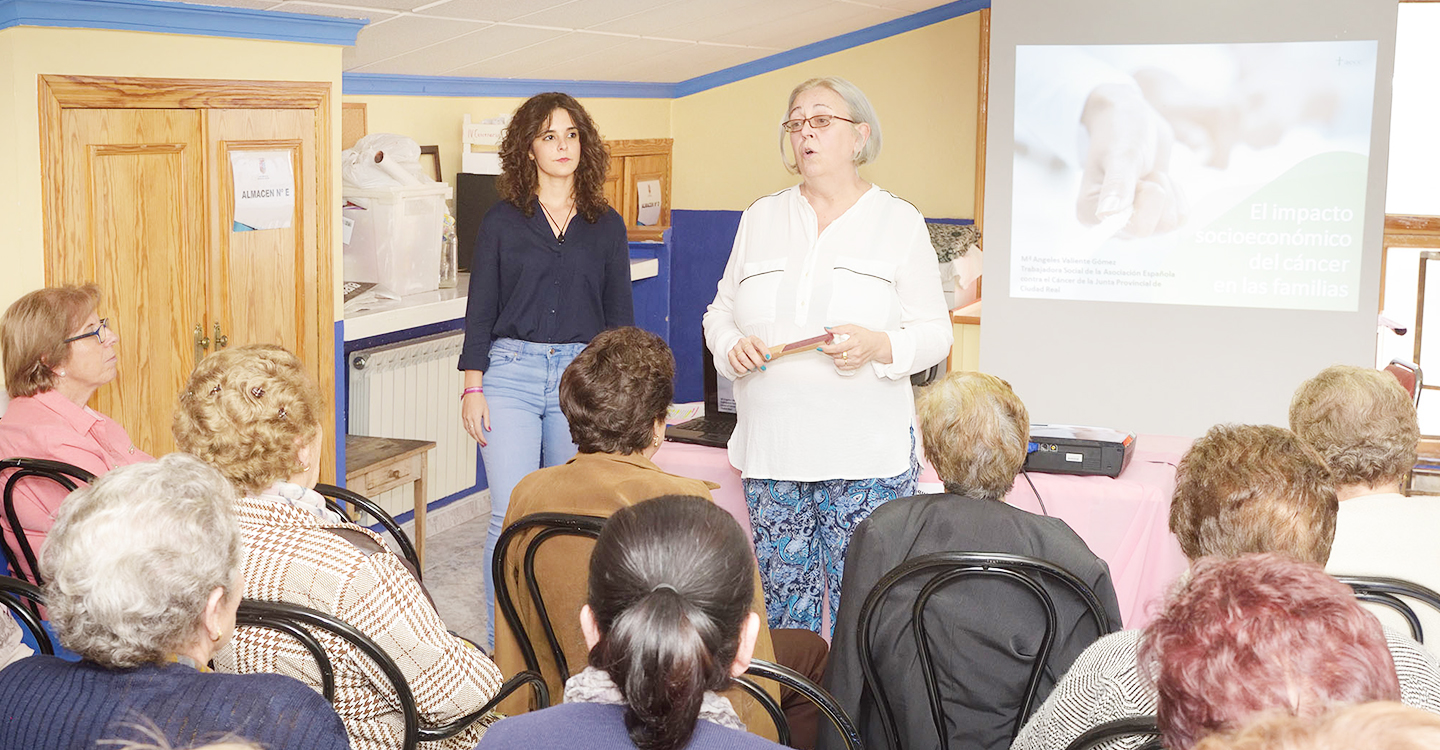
x: 828, y: 46
x: 181, y: 18
x: 342, y: 403
x: 397, y: 85
x: 408, y: 334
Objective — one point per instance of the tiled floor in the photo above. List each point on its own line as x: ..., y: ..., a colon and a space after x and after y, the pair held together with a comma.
x: 455, y: 578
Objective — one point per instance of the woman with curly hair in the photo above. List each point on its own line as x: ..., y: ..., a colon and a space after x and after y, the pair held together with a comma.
x: 551, y: 269
x: 253, y: 413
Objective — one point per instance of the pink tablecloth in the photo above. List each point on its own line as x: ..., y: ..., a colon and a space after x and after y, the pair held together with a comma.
x: 1124, y: 520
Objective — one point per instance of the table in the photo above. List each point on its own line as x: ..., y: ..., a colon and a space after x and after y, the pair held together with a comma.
x: 1125, y: 520
x: 375, y: 464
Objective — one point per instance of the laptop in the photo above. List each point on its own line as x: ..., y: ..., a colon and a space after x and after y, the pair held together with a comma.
x: 715, y: 427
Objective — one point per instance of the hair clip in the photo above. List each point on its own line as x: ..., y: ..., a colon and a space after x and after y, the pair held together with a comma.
x: 216, y: 390
x: 282, y: 409
x: 257, y: 391
x: 659, y: 586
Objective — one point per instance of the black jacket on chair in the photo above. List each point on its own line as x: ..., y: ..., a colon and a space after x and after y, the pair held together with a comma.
x: 984, y: 632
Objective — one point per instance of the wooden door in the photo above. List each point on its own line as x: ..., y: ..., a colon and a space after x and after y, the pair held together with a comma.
x: 131, y: 219
x: 642, y: 168
x: 139, y: 198
x: 614, y: 181
x: 258, y: 281
x: 260, y: 284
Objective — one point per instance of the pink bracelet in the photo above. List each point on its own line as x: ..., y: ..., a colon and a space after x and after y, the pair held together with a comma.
x: 472, y: 389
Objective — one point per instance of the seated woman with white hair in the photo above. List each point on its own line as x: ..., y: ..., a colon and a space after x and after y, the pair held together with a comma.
x: 143, y: 581
x: 976, y: 431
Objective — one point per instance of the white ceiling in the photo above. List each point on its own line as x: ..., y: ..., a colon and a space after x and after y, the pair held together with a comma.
x: 662, y: 41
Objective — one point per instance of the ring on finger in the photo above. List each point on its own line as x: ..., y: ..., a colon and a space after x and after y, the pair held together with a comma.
x: 845, y: 356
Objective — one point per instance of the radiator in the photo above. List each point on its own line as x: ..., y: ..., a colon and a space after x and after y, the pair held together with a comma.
x: 411, y: 390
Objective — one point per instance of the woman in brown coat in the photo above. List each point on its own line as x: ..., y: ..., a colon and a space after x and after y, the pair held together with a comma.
x: 614, y: 395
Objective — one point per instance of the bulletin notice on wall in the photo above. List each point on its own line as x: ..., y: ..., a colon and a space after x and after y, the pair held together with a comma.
x: 264, y: 190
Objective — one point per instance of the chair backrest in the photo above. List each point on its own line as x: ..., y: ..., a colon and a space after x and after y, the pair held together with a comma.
x: 548, y: 526
x: 829, y: 707
x: 335, y: 495
x: 944, y: 568
x: 23, y: 599
x: 1392, y: 593
x: 1409, y: 375
x: 1130, y: 726
x: 59, y: 472
x: 289, y: 618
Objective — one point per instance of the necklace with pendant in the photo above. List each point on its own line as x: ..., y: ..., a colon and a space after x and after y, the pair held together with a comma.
x: 560, y: 228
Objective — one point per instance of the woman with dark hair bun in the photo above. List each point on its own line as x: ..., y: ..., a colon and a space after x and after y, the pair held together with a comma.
x: 551, y: 269
x: 669, y: 624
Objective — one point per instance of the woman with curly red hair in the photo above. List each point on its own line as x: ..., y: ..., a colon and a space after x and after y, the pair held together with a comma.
x: 551, y: 269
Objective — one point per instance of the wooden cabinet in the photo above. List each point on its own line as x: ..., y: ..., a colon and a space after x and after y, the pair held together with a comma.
x: 633, y: 162
x: 139, y: 199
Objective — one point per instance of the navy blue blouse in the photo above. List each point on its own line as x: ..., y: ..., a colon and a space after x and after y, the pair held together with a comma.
x: 525, y: 284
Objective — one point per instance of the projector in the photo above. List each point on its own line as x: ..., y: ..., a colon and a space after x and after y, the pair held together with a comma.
x: 1068, y: 449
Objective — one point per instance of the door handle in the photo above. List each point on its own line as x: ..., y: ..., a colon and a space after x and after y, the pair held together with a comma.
x: 221, y: 340
x: 202, y: 342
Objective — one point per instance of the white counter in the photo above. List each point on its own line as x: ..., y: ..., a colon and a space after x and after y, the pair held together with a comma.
x: 425, y: 308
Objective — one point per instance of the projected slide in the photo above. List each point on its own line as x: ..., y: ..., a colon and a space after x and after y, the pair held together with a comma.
x: 1195, y: 174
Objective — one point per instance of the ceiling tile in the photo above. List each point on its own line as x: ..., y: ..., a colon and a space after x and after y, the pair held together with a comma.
x: 350, y: 8
x: 587, y: 15
x: 560, y: 56
x: 507, y: 10
x: 683, y: 64
x: 252, y: 4
x: 432, y: 42
x: 400, y: 36
x: 599, y: 66
x: 796, y: 29
x: 320, y: 9
x: 467, y: 49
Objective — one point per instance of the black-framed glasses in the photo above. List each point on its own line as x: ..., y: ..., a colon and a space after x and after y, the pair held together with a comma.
x: 816, y: 121
x: 98, y: 333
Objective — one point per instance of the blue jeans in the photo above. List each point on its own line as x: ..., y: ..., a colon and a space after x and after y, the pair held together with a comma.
x: 527, y: 431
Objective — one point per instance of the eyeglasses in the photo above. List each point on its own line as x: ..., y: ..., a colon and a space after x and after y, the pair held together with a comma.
x: 816, y: 121
x: 98, y: 333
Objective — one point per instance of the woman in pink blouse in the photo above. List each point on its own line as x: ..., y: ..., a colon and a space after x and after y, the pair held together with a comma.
x: 57, y: 353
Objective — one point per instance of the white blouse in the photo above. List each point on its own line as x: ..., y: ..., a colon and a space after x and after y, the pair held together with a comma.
x: 802, y: 419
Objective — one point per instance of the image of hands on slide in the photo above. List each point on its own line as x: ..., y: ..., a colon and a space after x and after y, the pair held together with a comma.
x: 1195, y: 174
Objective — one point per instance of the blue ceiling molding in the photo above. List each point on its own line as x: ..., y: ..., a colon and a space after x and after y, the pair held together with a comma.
x: 829, y: 46
x: 181, y: 18
x: 398, y: 85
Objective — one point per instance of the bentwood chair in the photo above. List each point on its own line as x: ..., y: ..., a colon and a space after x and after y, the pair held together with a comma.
x: 943, y: 569
x: 23, y: 598
x: 1392, y: 593
x: 789, y: 678
x: 67, y: 476
x: 1409, y: 375
x: 1132, y: 726
x: 294, y: 619
x: 546, y: 526
x: 334, y: 496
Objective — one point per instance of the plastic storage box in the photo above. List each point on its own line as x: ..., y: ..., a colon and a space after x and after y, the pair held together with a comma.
x: 393, y: 236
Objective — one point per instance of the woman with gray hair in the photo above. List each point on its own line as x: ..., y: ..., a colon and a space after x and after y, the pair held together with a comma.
x: 143, y: 581
x: 976, y: 432
x: 839, y: 266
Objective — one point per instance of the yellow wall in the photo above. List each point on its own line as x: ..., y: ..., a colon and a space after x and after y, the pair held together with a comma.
x: 26, y: 53
x: 923, y: 85
x: 437, y: 120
